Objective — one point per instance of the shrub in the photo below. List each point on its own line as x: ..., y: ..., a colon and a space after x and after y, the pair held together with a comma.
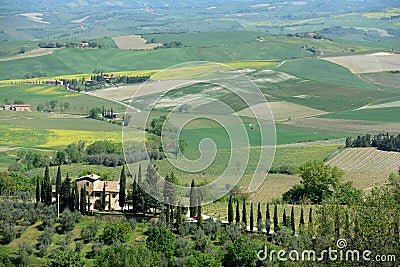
x: 89, y: 232
x: 118, y: 230
x: 69, y: 219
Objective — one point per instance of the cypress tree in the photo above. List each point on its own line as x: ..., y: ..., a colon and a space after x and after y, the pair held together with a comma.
x: 58, y: 182
x: 275, y: 218
x: 284, y: 221
x: 251, y: 217
x: 42, y: 192
x: 259, y: 216
x: 292, y: 220
x: 83, y: 200
x: 193, y: 199
x: 310, y: 221
x: 178, y: 220
x: 301, y: 217
x: 103, y: 197
x: 76, y: 196
x: 37, y: 189
x: 171, y: 216
x: 267, y: 220
x: 72, y: 198
x: 244, y: 215
x: 199, y: 216
x: 230, y: 210
x: 47, y: 186
x: 237, y: 212
x: 66, y: 193
x: 122, y: 188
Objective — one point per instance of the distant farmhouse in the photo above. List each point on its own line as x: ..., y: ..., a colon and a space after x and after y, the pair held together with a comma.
x: 17, y: 107
x: 94, y: 188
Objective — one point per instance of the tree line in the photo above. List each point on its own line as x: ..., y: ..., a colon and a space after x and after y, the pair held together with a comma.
x: 382, y: 141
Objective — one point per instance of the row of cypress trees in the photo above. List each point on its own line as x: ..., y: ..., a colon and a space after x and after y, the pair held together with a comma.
x: 286, y: 220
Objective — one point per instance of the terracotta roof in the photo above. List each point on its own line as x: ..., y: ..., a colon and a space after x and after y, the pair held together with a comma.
x: 111, y: 186
x: 89, y: 176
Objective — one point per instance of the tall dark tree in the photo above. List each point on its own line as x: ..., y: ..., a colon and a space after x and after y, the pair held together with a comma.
x: 275, y: 218
x: 42, y: 192
x: 267, y: 220
x: 152, y: 188
x: 47, y: 186
x: 58, y: 182
x: 193, y: 199
x: 292, y: 223
x: 179, y: 217
x: 72, y: 197
x: 199, y: 215
x: 230, y: 210
x: 65, y: 197
x: 83, y: 200
x: 76, y: 196
x: 139, y: 175
x: 244, y: 212
x: 310, y: 219
x: 259, y: 216
x: 122, y: 188
x: 301, y: 217
x: 37, y: 189
x: 251, y: 217
x: 103, y: 197
x: 237, y: 212
x: 284, y: 219
x: 169, y: 189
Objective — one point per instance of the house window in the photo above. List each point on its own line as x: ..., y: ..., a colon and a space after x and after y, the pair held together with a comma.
x: 97, y: 194
x: 87, y: 183
x: 114, y: 195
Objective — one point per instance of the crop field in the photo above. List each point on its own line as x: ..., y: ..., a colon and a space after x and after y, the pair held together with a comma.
x: 32, y: 53
x: 75, y: 170
x: 368, y: 63
x: 367, y: 167
x: 285, y: 155
x: 323, y: 71
x: 383, y: 79
x: 27, y: 92
x: 325, y: 96
x: 349, y: 127
x: 217, y: 47
x: 282, y: 110
x: 133, y: 42
x: 388, y: 114
x: 274, y: 186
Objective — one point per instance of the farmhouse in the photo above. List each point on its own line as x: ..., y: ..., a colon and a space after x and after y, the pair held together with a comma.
x: 94, y: 189
x: 17, y: 107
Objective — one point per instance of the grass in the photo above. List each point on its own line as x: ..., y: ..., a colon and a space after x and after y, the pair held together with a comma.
x: 323, y: 71
x: 377, y: 114
x: 74, y: 170
x: 28, y: 92
x: 325, y: 96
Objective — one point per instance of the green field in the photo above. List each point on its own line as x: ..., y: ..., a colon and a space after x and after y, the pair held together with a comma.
x: 377, y: 114
x: 323, y: 71
x: 221, y: 47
